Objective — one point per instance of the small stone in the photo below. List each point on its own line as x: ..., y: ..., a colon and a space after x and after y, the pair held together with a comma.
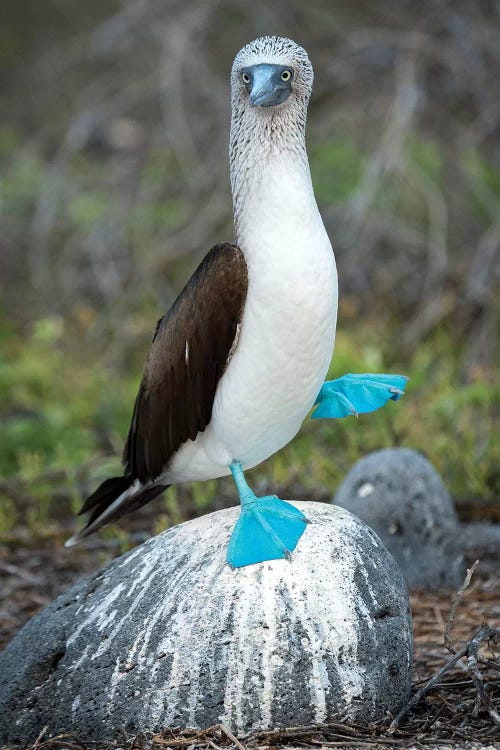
x: 400, y: 495
x: 271, y: 645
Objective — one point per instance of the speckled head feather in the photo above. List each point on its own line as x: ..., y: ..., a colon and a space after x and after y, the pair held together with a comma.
x: 256, y: 132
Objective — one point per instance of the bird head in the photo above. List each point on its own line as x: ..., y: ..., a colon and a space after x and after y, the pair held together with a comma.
x: 271, y: 72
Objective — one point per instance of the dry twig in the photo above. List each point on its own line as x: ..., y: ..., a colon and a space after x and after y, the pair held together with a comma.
x: 456, y: 601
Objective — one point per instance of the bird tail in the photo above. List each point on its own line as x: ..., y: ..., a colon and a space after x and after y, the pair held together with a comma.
x: 112, y: 499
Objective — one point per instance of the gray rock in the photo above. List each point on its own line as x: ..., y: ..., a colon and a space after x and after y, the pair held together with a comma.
x: 169, y: 635
x: 482, y: 542
x: 400, y: 495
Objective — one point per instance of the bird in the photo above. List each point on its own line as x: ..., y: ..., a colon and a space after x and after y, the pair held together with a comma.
x: 240, y: 358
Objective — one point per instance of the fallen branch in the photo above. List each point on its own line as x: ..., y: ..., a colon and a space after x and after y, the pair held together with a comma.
x: 425, y: 688
x: 485, y: 633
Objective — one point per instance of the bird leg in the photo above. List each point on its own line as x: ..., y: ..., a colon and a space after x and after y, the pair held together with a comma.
x: 268, y: 528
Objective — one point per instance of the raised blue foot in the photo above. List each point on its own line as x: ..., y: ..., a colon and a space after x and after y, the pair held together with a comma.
x: 357, y: 394
x: 267, y: 529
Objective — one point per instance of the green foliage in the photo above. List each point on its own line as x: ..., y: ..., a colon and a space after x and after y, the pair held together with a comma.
x: 66, y: 400
x: 426, y: 156
x: 59, y: 405
x: 483, y: 178
x: 21, y: 176
x: 65, y: 412
x: 336, y: 168
x: 88, y: 209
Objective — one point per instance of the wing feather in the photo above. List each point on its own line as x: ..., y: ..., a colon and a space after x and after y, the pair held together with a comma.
x: 189, y: 353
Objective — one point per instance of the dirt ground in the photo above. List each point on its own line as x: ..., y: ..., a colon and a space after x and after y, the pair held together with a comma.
x: 460, y: 709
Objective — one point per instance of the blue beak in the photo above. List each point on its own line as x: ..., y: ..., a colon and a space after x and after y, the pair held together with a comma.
x: 266, y: 87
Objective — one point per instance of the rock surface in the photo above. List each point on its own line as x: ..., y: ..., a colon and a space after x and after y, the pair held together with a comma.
x: 481, y: 541
x: 168, y: 634
x: 400, y: 495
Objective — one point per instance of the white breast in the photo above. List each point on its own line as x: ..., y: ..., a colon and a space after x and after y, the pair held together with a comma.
x: 287, y: 333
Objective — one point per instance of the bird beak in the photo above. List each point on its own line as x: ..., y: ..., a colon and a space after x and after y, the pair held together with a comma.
x: 266, y: 88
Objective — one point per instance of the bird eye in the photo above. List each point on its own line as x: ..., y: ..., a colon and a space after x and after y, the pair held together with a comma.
x: 245, y: 78
x: 286, y: 75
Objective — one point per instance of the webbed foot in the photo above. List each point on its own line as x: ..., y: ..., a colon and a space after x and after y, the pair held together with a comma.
x: 267, y: 529
x: 357, y: 394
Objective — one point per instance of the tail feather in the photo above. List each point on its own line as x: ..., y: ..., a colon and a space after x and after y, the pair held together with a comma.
x: 112, y: 499
x: 106, y: 493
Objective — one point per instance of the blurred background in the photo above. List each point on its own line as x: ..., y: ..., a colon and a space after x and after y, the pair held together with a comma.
x: 114, y: 184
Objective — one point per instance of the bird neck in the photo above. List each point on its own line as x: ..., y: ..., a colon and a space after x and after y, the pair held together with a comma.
x: 270, y: 176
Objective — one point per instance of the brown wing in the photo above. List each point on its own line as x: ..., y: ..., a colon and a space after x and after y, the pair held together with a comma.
x: 188, y: 355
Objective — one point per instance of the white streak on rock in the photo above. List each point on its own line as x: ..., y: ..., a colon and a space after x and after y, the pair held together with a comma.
x: 271, y: 660
x: 98, y: 613
x: 81, y: 659
x: 242, y: 644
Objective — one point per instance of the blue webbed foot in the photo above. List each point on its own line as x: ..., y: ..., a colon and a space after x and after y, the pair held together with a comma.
x: 267, y: 529
x: 357, y: 394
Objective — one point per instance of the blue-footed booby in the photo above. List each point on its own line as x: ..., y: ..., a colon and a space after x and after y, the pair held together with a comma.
x: 240, y: 358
